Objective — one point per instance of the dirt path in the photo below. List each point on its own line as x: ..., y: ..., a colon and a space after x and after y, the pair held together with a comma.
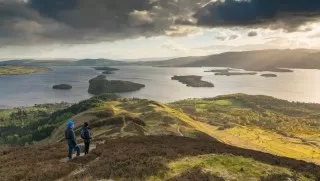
x: 180, y: 131
x: 82, y: 169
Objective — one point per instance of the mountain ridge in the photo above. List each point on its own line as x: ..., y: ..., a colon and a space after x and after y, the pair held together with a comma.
x: 250, y: 60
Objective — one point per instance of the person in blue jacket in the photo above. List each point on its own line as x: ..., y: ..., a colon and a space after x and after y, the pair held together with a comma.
x: 71, y: 139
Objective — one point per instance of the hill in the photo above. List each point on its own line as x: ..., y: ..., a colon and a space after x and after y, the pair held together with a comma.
x: 139, y: 139
x: 261, y: 123
x: 19, y: 70
x: 83, y: 62
x: 250, y: 60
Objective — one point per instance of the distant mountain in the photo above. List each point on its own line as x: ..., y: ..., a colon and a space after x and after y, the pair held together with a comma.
x: 83, y: 62
x: 249, y: 60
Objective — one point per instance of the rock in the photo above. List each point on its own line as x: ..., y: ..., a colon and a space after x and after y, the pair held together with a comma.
x: 100, y: 85
x: 62, y: 87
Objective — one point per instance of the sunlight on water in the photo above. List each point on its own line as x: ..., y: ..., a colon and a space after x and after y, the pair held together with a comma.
x: 22, y: 90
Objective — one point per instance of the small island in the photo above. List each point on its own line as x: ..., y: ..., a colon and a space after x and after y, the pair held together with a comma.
x: 106, y: 70
x: 21, y: 70
x: 230, y: 72
x: 192, y: 81
x: 100, y: 85
x: 62, y: 87
x: 235, y: 73
x: 220, y: 70
x: 269, y: 75
x: 274, y: 69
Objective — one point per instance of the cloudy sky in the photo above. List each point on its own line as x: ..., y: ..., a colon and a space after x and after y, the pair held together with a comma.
x: 131, y: 29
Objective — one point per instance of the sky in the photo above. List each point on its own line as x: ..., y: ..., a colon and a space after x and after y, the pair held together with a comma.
x: 133, y: 29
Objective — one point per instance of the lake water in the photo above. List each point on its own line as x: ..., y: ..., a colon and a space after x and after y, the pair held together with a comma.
x: 25, y: 90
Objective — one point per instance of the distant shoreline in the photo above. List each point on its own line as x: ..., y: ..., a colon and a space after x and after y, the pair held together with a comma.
x: 21, y: 70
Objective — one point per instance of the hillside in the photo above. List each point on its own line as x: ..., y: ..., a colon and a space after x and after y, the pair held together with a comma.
x: 19, y: 70
x: 83, y: 62
x: 138, y: 139
x: 261, y: 123
x: 250, y: 60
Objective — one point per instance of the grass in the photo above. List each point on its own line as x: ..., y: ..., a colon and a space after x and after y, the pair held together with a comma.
x: 36, y: 163
x: 169, y: 157
x: 147, y: 140
x: 258, y: 122
x: 226, y: 166
x: 18, y: 70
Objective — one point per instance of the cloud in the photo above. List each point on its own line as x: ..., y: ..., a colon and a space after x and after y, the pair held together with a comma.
x: 252, y: 33
x: 87, y: 21
x: 233, y: 37
x: 29, y: 22
x: 287, y: 14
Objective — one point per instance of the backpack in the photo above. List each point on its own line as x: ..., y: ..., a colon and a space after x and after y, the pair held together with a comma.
x: 83, y: 136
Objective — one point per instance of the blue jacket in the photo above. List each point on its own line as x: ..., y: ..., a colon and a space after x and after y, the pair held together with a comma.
x: 70, y: 136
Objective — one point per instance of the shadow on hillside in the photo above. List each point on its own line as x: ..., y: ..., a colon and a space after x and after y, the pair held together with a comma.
x: 135, y: 158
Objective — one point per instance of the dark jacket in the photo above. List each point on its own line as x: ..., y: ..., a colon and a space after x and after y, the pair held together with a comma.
x: 70, y: 136
x: 87, y: 134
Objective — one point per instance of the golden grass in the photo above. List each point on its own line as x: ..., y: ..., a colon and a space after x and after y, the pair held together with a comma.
x: 255, y: 138
x: 17, y: 70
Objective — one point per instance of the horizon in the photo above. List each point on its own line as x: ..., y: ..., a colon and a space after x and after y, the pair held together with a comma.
x: 70, y: 29
x: 147, y: 59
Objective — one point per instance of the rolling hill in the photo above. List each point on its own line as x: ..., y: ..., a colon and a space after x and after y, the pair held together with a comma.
x: 232, y: 137
x: 250, y: 60
x: 82, y: 62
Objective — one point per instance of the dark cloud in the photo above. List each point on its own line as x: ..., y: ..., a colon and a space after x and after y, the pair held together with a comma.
x: 288, y: 14
x: 252, y: 33
x: 85, y: 21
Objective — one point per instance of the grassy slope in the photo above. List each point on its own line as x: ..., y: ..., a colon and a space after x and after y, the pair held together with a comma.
x: 17, y: 70
x: 129, y: 117
x: 176, y: 147
x: 260, y: 123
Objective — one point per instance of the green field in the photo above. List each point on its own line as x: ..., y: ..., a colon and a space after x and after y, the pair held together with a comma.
x: 19, y: 70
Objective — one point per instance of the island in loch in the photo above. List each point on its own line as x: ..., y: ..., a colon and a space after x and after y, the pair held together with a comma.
x: 192, y: 81
x: 62, y: 87
x: 100, y: 85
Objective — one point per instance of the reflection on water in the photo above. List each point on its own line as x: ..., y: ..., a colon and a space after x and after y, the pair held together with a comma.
x: 32, y: 89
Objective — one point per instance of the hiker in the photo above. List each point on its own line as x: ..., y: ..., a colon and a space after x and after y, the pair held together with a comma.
x: 86, y: 136
x: 71, y: 138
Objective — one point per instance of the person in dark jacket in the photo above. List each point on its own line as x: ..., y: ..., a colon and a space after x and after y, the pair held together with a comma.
x: 71, y: 139
x: 86, y: 136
